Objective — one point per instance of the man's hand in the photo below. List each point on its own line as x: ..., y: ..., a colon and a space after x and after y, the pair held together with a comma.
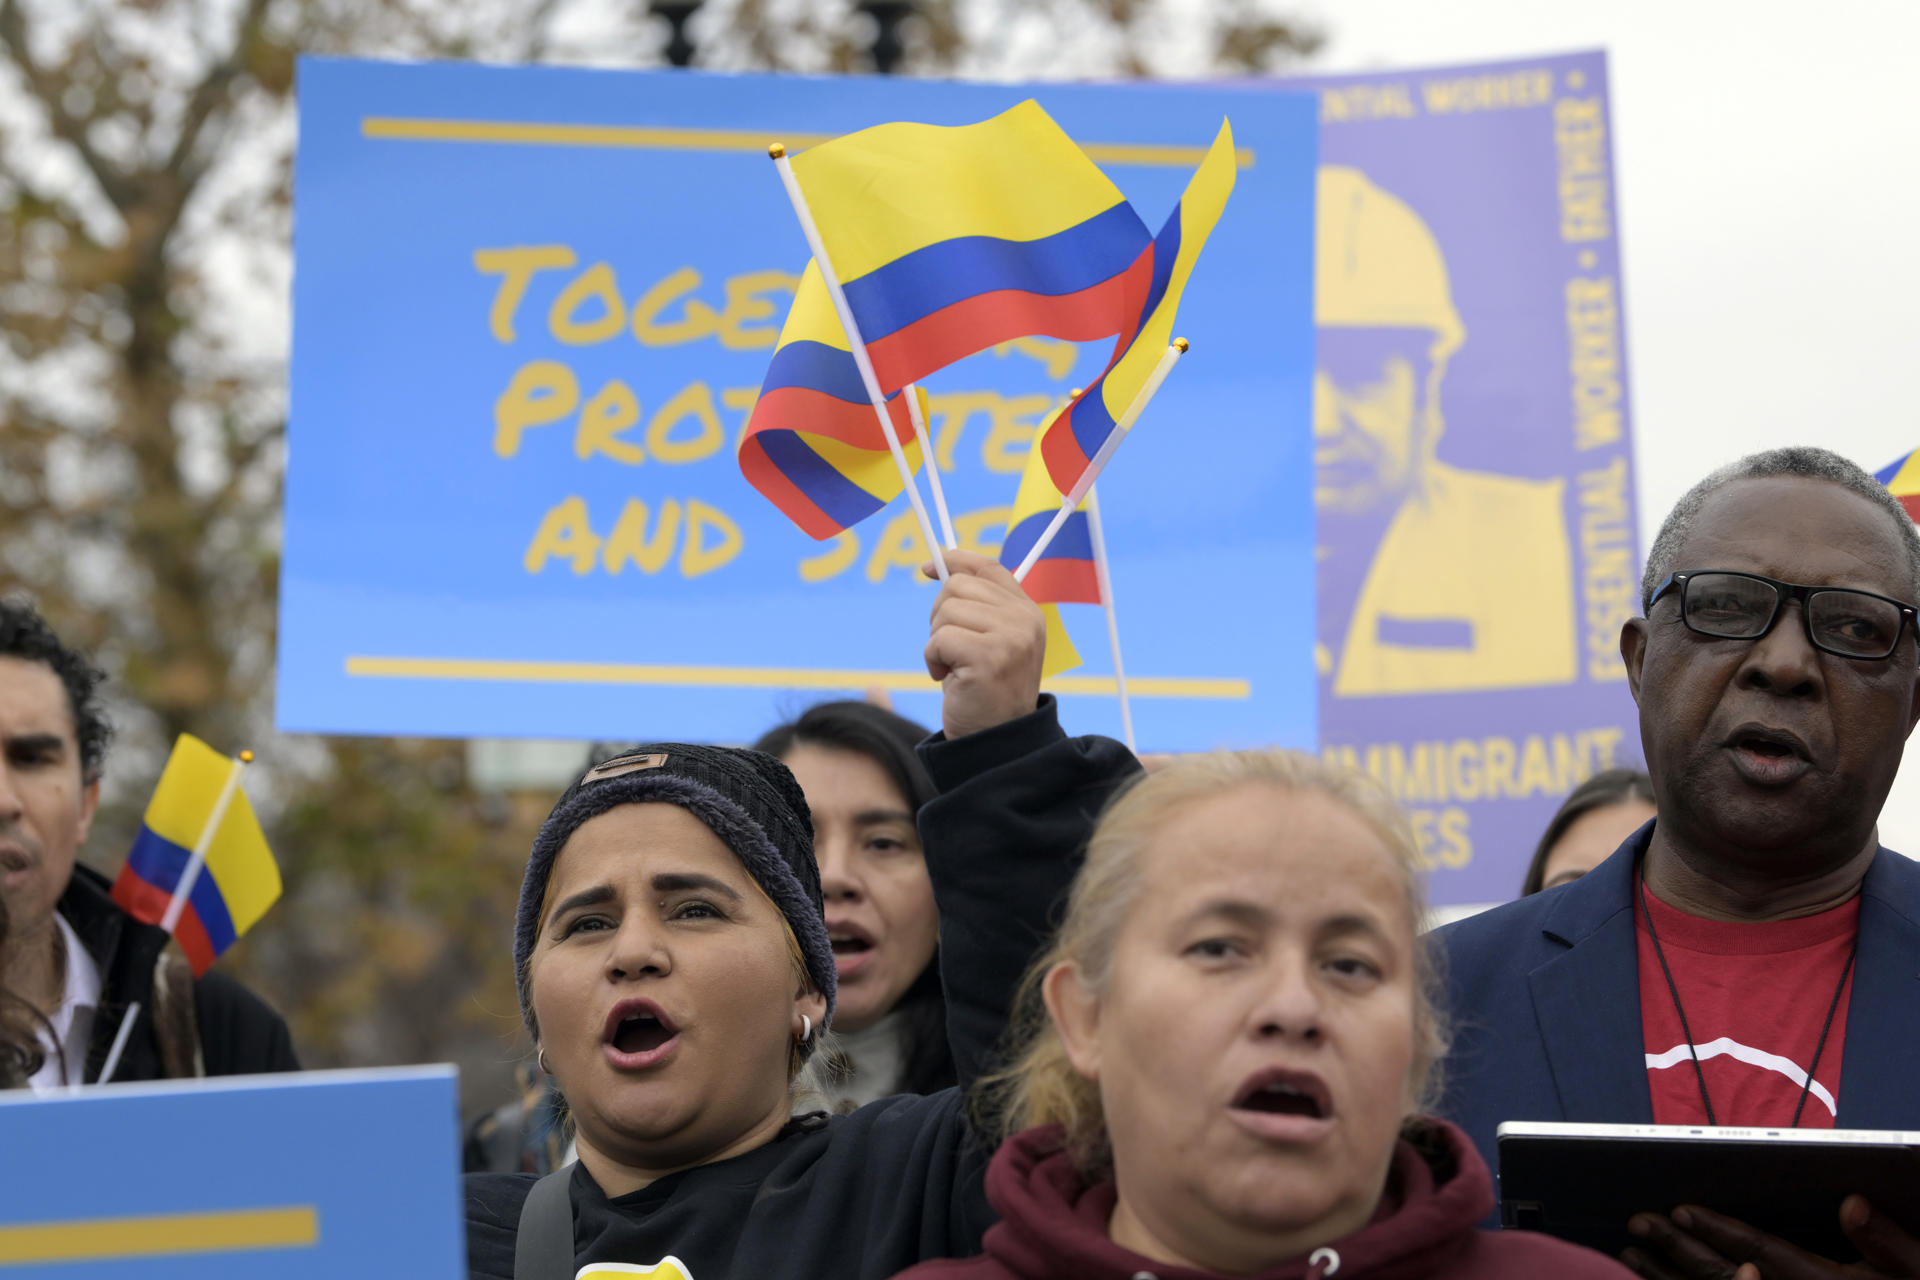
x: 988, y: 645
x: 1698, y: 1244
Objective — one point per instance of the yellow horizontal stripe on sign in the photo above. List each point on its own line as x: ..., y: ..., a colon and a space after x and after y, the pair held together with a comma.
x: 102, y: 1239
x: 400, y: 129
x: 764, y: 677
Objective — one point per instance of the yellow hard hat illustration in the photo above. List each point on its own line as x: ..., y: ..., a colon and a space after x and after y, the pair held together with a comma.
x: 1377, y: 265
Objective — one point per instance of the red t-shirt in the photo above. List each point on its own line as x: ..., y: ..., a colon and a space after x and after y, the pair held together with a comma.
x: 1756, y: 996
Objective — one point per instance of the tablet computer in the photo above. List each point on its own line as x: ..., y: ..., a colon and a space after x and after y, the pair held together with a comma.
x: 1582, y: 1182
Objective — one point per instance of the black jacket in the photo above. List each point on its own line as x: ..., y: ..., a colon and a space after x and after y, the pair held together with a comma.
x: 237, y: 1033
x: 864, y: 1196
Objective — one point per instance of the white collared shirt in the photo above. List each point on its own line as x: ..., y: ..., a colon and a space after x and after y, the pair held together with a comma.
x: 72, y: 1022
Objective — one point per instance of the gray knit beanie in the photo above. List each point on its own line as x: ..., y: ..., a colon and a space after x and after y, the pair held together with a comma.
x: 747, y: 798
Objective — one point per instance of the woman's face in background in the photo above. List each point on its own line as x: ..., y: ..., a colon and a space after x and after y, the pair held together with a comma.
x: 879, y: 901
x: 1592, y: 839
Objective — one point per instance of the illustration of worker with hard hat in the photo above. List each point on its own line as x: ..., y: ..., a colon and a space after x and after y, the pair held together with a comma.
x: 1432, y: 578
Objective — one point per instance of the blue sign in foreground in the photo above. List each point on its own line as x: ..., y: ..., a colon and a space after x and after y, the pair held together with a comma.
x: 532, y: 310
x: 301, y: 1177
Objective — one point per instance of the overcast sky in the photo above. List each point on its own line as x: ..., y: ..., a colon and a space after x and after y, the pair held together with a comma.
x: 1768, y: 162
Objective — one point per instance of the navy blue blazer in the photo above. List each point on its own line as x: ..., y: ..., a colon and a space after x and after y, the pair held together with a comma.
x: 1544, y: 994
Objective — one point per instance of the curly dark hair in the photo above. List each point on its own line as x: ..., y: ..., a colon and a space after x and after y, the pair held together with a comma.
x: 25, y: 635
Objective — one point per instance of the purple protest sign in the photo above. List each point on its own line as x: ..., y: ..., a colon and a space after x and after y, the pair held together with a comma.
x: 1474, y: 468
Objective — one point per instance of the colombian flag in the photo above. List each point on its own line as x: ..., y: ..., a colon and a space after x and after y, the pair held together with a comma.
x: 947, y: 240
x: 1061, y: 656
x: 239, y: 881
x: 1064, y: 573
x: 813, y: 445
x: 1069, y: 445
x: 1902, y: 479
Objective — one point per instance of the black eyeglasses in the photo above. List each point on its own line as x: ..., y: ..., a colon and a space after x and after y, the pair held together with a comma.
x: 1744, y: 606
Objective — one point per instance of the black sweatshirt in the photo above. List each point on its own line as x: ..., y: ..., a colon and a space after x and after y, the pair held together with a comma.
x: 864, y: 1196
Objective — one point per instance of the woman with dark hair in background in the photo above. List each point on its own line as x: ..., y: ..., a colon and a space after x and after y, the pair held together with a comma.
x: 856, y: 764
x: 1595, y: 820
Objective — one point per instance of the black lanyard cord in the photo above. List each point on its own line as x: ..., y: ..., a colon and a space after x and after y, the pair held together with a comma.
x: 1678, y: 1008
x: 1821, y: 1046
x: 1673, y: 990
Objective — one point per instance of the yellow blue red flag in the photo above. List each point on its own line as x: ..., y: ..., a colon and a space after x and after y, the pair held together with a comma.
x: 1069, y: 445
x: 239, y: 880
x: 1064, y: 573
x: 1902, y: 479
x: 1061, y: 655
x: 947, y: 240
x: 813, y: 444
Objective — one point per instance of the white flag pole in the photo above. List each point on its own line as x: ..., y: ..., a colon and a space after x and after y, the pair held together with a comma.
x: 119, y: 1042
x: 1103, y: 454
x: 182, y: 892
x: 1104, y: 577
x: 778, y: 153
x: 931, y: 456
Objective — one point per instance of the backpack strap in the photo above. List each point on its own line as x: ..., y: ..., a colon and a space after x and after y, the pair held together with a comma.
x: 543, y: 1248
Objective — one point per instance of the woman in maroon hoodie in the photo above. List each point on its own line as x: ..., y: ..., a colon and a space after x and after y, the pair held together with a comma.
x: 1227, y: 1051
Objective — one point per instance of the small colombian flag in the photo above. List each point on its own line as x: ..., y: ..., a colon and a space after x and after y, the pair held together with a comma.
x: 1064, y: 573
x: 239, y: 880
x: 1902, y: 479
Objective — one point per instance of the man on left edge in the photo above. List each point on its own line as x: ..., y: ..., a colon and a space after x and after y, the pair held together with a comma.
x: 72, y: 953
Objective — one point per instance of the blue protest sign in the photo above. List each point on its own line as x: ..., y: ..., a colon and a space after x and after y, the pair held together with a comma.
x: 532, y: 309
x: 301, y: 1177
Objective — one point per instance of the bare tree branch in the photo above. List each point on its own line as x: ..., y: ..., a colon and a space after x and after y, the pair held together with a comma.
x: 50, y: 90
x: 539, y: 24
x: 209, y: 96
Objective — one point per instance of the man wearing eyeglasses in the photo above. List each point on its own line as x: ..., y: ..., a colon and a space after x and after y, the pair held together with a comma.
x: 1752, y: 956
